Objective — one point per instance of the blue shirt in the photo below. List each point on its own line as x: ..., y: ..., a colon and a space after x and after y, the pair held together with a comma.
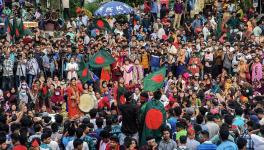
x: 239, y: 121
x: 207, y: 145
x: 154, y: 8
x: 45, y: 146
x: 66, y: 140
x: 90, y: 141
x: 196, y: 23
x: 172, y: 121
x: 116, y: 130
x: 227, y: 145
x: 155, y: 61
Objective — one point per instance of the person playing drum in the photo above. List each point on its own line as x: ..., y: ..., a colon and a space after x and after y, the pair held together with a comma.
x: 74, y: 92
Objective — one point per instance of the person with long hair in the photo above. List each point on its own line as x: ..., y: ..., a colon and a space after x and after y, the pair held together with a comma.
x: 256, y: 70
x: 74, y: 92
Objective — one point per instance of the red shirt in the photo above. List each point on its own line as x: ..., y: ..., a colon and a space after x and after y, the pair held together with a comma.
x: 19, y: 147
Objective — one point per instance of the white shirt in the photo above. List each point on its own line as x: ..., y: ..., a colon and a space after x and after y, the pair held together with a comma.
x: 213, y: 128
x: 84, y: 20
x: 102, y: 145
x: 258, y: 142
x: 72, y: 69
x: 213, y: 23
x: 32, y: 66
x: 257, y: 31
x: 206, y: 33
x: 86, y: 40
x: 173, y: 51
x: 136, y: 97
x: 70, y: 146
x: 164, y: 100
x: 161, y: 32
x: 21, y: 68
x: 54, y: 145
x: 117, y: 31
x: 192, y: 144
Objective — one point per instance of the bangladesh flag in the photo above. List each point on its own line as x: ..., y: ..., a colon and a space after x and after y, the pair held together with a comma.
x: 219, y: 28
x: 153, y: 119
x: 85, y: 74
x: 155, y: 80
x: 21, y: 28
x: 13, y: 28
x: 101, y: 24
x: 101, y: 59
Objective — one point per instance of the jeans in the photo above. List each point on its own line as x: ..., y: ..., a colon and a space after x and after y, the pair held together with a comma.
x: 8, y: 82
x: 18, y: 79
x: 153, y: 17
x: 30, y: 79
x: 122, y: 137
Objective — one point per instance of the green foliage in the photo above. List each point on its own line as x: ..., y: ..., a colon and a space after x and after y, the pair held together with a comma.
x: 121, y: 18
x: 92, y: 7
x: 73, y: 5
x: 246, y: 5
x: 132, y: 3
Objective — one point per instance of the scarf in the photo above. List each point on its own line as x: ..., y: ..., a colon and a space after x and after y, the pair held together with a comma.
x: 256, y: 71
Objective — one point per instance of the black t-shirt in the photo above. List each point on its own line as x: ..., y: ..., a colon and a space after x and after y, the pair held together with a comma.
x: 129, y: 118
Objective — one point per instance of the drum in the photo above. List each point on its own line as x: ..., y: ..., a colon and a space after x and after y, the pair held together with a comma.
x: 87, y: 103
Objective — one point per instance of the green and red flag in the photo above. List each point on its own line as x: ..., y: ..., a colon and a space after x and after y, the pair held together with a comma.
x: 101, y: 59
x: 101, y: 24
x: 21, y: 28
x: 85, y: 74
x: 155, y: 80
x: 153, y: 117
x: 13, y: 28
x: 219, y: 28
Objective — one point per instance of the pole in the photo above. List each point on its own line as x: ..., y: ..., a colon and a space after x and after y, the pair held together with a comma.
x: 260, y: 6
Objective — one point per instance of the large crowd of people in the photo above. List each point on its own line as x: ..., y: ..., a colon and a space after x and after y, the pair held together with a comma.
x: 211, y: 97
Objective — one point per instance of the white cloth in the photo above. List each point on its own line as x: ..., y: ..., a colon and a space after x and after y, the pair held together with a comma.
x: 257, y: 31
x: 213, y: 129
x: 54, y: 145
x: 21, y: 68
x: 258, y: 142
x: 102, y: 145
x: 206, y: 33
x: 72, y: 70
x: 86, y: 40
x: 161, y: 32
x: 70, y: 146
x: 172, y: 52
x: 117, y: 31
x: 32, y: 66
x: 65, y: 3
x: 164, y: 100
x: 84, y: 20
x: 213, y: 23
x: 192, y: 144
x: 261, y: 122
